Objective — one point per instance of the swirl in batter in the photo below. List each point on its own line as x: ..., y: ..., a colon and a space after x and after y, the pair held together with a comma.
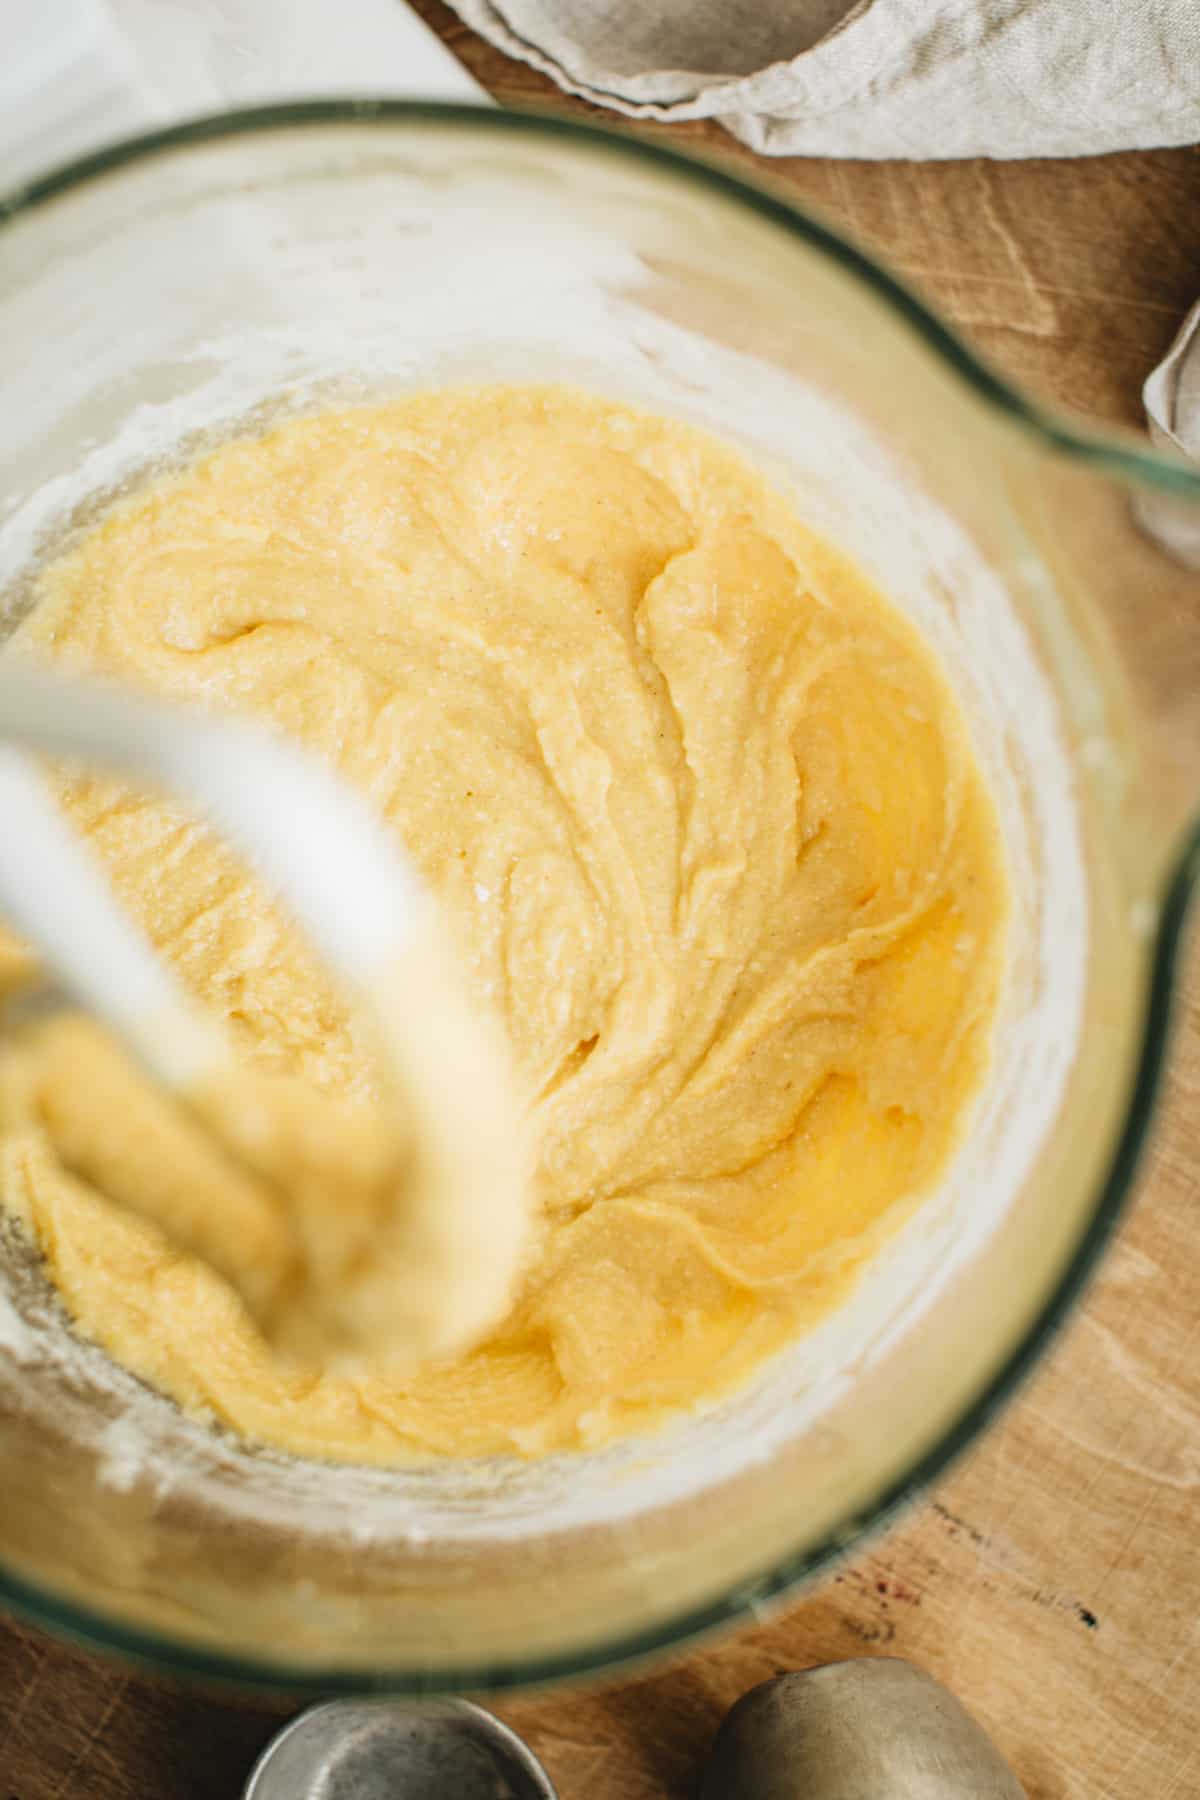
x: 705, y: 822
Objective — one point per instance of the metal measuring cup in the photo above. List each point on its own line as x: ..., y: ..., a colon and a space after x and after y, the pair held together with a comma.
x: 386, y: 1750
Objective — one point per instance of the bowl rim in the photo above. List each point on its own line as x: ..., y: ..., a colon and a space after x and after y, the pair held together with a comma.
x: 81, y: 1623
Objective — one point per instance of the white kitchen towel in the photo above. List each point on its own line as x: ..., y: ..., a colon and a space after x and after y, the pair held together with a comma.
x: 877, y: 78
x: 1172, y: 397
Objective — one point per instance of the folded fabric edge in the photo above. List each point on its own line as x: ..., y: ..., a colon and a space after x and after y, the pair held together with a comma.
x: 1170, y: 523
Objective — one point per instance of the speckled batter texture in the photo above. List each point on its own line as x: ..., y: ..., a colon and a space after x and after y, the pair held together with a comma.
x: 706, y: 826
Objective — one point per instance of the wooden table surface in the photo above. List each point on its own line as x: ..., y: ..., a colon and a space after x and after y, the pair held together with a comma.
x: 1054, y: 1581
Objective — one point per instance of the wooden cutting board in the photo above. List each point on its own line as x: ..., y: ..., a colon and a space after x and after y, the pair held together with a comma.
x: 1054, y: 1581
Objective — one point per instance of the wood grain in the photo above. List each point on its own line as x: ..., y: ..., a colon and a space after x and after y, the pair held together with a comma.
x: 1054, y: 1581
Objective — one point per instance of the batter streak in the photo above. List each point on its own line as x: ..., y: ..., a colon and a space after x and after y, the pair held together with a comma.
x: 706, y: 826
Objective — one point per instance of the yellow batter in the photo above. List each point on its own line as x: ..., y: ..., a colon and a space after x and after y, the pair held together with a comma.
x: 706, y: 826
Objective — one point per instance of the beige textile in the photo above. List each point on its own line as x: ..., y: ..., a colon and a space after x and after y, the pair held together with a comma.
x: 1172, y: 397
x: 880, y: 78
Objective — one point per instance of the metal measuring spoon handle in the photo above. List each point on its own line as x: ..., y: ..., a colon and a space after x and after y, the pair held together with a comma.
x: 873, y: 1729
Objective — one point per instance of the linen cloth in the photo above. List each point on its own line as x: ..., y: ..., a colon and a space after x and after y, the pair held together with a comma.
x: 880, y: 78
x: 1172, y: 400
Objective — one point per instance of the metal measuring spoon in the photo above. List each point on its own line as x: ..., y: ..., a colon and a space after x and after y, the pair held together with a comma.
x: 387, y: 1750
x: 874, y: 1729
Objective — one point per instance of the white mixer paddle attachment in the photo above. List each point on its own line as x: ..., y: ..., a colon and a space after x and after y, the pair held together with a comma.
x: 406, y: 1230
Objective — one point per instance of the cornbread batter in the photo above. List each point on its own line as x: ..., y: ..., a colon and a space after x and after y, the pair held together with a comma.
x: 705, y: 824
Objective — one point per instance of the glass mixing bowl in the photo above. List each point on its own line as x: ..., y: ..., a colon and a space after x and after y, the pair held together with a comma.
x: 203, y: 280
